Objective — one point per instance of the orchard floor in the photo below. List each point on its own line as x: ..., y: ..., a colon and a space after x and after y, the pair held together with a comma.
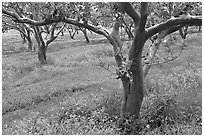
x: 75, y: 94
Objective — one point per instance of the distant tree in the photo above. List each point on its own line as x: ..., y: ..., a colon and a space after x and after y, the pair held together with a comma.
x: 129, y: 70
x: 24, y: 30
x: 44, y: 35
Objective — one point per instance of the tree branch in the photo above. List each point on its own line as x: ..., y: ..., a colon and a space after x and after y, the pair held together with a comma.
x: 10, y: 14
x: 153, y: 48
x: 144, y: 14
x: 127, y: 7
x: 52, y: 37
x: 16, y: 28
x: 61, y: 29
x: 183, y: 20
x: 24, y: 19
x: 97, y: 29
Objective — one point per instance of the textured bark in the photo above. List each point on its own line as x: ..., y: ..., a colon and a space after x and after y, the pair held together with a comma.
x: 136, y: 93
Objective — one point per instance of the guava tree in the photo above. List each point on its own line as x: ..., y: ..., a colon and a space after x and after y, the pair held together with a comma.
x: 130, y: 70
x: 24, y: 30
x: 45, y: 34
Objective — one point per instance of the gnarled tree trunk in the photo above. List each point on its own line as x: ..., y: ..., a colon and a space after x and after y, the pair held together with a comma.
x: 136, y: 88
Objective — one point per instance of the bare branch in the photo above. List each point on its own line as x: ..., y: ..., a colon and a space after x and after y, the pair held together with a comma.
x: 61, y: 29
x: 53, y: 37
x: 183, y: 20
x: 10, y: 14
x: 153, y: 48
x: 24, y: 19
x: 18, y: 10
x: 144, y: 14
x: 127, y: 7
x: 96, y: 29
x: 152, y: 52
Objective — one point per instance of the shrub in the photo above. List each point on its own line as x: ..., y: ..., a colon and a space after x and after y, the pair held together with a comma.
x: 173, y: 100
x: 163, y: 111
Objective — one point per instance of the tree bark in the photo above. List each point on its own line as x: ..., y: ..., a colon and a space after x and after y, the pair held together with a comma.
x: 26, y: 36
x: 135, y: 96
x: 85, y: 35
x: 23, y: 38
x: 42, y: 47
x: 136, y: 89
x: 30, y: 43
x: 42, y: 54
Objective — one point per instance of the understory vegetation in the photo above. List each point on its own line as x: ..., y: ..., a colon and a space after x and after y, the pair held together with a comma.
x: 77, y: 91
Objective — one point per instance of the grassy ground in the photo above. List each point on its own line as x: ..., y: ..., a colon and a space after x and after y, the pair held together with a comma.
x: 73, y: 94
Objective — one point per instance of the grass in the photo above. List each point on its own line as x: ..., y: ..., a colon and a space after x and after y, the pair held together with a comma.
x: 72, y: 94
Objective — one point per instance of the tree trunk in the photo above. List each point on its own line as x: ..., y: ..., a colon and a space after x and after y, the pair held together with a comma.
x: 199, y: 28
x: 42, y: 46
x: 136, y: 88
x: 23, y: 38
x: 42, y: 54
x: 135, y: 96
x: 62, y: 33
x: 30, y: 43
x: 72, y: 33
x: 85, y: 35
